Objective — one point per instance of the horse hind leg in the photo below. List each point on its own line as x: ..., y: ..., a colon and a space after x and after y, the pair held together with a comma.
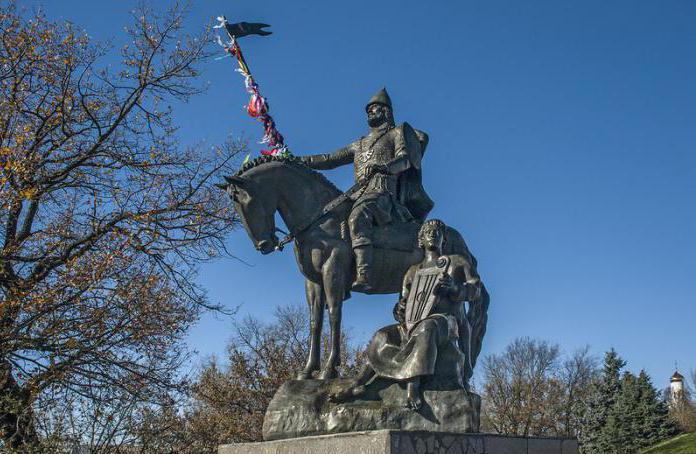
x: 315, y: 301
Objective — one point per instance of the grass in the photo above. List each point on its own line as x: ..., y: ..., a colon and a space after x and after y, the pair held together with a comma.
x: 682, y: 444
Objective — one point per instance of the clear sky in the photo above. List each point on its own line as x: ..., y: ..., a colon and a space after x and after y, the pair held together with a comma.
x: 562, y: 145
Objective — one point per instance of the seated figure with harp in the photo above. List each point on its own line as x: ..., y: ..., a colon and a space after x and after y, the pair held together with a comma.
x: 433, y: 339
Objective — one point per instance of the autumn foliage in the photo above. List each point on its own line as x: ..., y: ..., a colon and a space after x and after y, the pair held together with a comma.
x: 228, y: 399
x: 104, y: 215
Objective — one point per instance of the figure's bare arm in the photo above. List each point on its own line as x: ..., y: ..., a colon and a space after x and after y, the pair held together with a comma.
x: 454, y: 285
x: 327, y: 161
x: 458, y: 291
x: 465, y: 279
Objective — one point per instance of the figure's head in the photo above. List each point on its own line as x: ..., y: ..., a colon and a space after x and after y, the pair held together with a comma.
x: 379, y: 109
x: 431, y: 235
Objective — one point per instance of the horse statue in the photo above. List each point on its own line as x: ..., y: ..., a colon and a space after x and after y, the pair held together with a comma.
x: 271, y: 184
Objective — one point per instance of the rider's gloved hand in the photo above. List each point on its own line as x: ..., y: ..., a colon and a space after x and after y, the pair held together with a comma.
x: 373, y: 169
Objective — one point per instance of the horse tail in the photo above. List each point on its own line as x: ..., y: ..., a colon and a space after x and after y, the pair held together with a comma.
x: 477, y: 319
x: 473, y: 324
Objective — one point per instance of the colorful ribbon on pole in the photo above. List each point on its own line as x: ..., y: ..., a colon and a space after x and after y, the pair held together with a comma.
x: 258, y: 105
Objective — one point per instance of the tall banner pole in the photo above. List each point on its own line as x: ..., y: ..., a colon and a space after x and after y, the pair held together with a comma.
x: 258, y: 105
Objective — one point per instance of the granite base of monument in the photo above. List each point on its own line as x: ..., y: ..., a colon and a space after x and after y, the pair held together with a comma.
x: 300, y: 408
x: 406, y: 442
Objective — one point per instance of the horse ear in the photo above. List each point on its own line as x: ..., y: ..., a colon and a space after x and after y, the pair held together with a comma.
x: 236, y: 181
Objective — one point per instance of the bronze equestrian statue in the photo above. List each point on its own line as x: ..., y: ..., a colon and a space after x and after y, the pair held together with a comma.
x: 388, y: 209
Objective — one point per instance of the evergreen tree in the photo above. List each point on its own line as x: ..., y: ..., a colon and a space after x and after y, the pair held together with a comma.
x: 624, y: 413
x: 655, y: 422
x: 629, y: 416
x: 599, y: 433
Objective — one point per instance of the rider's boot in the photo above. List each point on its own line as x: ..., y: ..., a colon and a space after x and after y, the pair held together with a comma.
x: 363, y: 268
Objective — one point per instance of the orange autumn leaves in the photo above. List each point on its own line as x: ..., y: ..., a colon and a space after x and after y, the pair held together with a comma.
x: 106, y: 216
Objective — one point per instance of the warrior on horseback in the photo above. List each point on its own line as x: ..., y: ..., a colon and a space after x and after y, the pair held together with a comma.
x: 389, y: 206
x: 387, y: 165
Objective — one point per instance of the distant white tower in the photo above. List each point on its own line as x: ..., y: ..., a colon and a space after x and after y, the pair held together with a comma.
x: 676, y: 388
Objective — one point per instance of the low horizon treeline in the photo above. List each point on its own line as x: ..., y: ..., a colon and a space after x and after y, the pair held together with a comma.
x: 529, y: 389
x: 219, y: 404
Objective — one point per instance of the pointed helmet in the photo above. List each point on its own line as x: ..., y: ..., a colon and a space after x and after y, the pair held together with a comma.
x: 381, y: 97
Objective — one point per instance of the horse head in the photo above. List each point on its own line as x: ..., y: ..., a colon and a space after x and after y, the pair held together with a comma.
x: 256, y: 209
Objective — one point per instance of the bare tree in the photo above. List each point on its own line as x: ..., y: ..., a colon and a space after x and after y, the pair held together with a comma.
x: 228, y: 403
x: 104, y: 216
x: 103, y: 421
x: 529, y: 390
x: 576, y: 376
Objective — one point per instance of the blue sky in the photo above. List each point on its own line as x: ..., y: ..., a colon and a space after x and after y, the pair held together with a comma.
x: 562, y: 145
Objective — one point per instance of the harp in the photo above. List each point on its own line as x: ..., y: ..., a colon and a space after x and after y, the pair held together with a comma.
x: 422, y: 296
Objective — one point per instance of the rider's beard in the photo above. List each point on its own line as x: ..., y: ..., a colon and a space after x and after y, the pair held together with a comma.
x: 376, y: 120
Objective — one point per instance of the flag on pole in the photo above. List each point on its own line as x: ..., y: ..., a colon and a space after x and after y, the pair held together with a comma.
x: 258, y: 105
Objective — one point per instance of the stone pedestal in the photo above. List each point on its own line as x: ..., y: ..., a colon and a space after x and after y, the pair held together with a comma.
x: 300, y: 408
x: 407, y: 442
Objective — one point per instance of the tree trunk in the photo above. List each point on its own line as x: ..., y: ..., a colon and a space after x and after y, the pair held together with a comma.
x: 16, y: 423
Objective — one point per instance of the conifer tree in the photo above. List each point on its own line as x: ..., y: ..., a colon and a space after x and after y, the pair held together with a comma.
x: 629, y: 416
x: 599, y: 433
x: 624, y: 413
x: 655, y: 422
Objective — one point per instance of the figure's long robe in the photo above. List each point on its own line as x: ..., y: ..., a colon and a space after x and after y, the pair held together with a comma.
x: 397, y: 354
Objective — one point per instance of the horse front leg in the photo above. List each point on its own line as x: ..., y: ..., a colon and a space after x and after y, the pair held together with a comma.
x: 315, y: 300
x: 334, y: 273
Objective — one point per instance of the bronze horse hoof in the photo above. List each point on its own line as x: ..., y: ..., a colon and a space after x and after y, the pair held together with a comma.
x: 304, y: 375
x: 328, y: 374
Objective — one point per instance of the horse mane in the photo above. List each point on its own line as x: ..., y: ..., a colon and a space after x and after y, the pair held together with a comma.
x: 288, y: 160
